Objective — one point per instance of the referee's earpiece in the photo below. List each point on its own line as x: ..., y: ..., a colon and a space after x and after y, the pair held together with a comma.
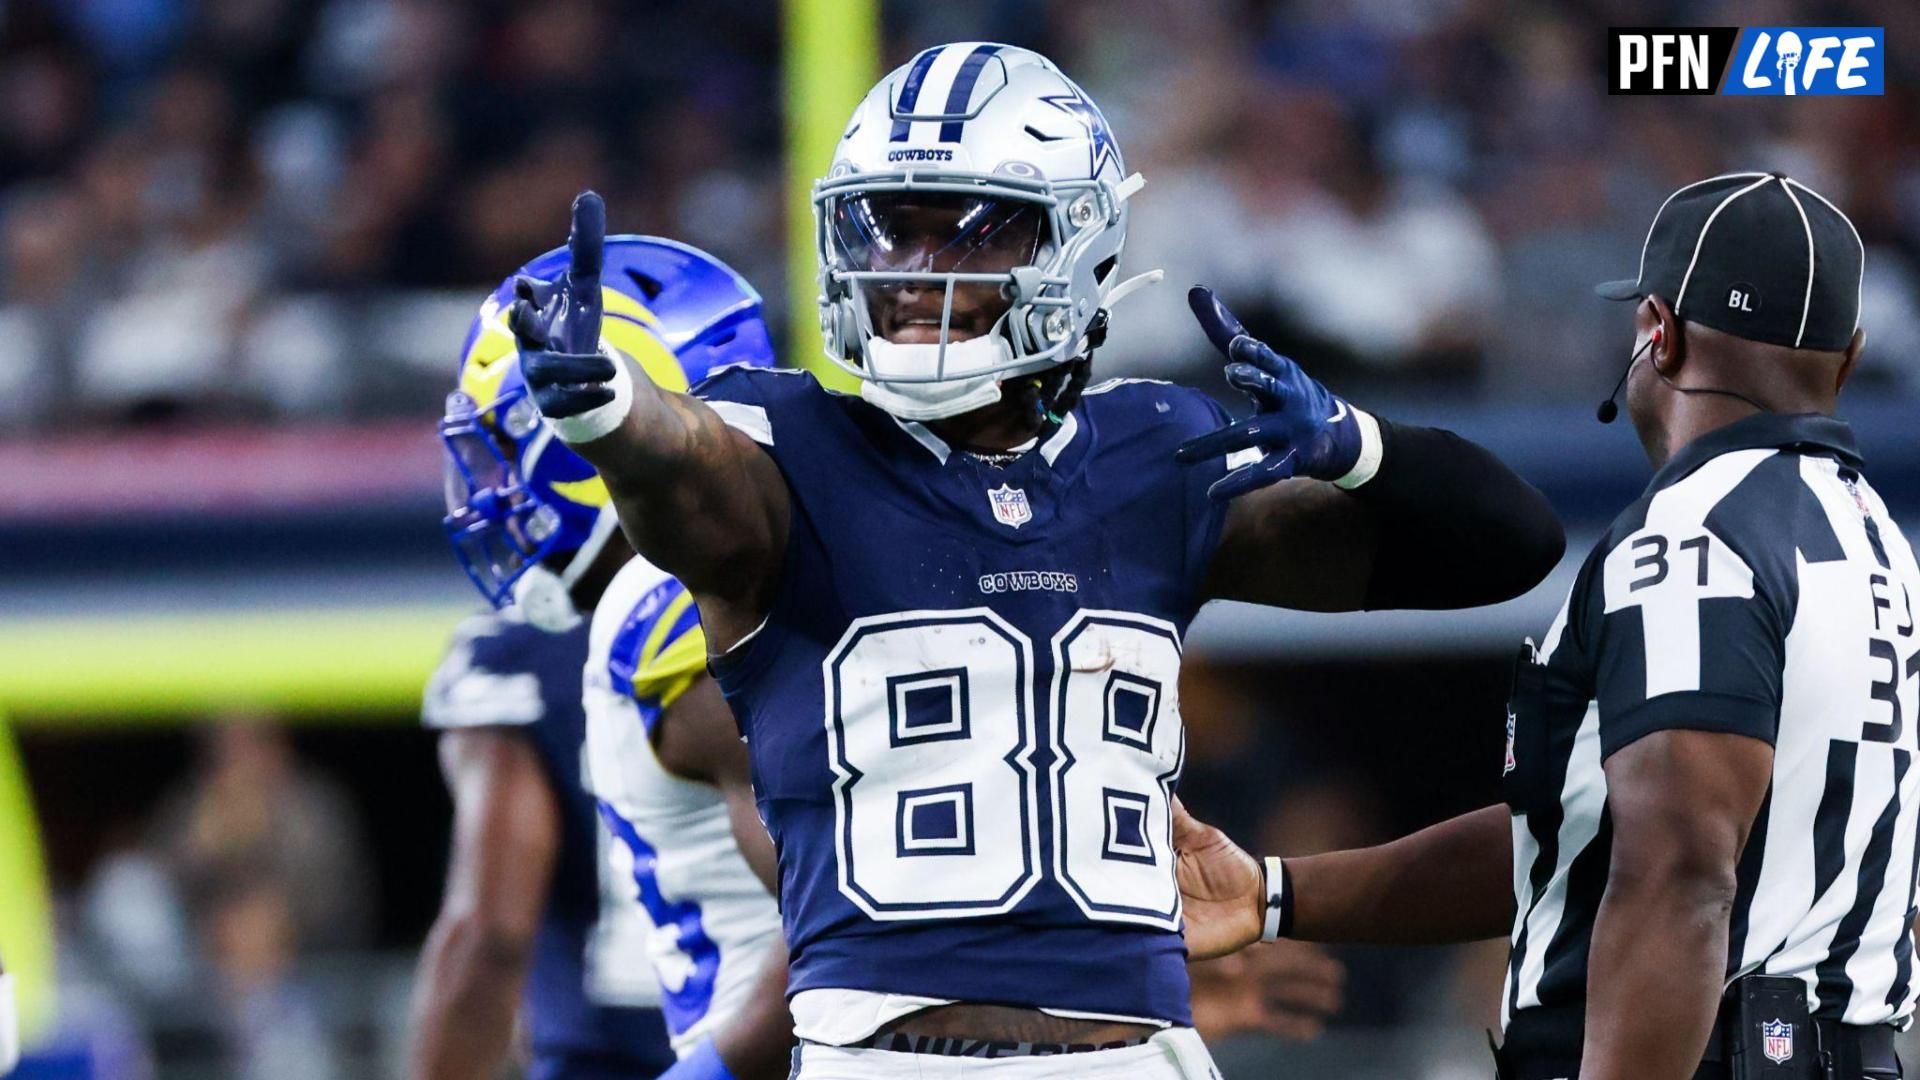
x: 1609, y: 411
x: 1654, y: 338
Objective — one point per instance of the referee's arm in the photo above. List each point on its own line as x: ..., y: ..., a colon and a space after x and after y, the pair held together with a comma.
x: 1688, y: 687
x: 1682, y: 803
x: 1447, y: 883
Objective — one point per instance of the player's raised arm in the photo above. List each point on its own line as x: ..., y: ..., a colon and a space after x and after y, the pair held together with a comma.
x: 695, y: 497
x: 1370, y: 514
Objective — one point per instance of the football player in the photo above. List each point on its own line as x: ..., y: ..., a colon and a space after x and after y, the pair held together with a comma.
x: 948, y: 611
x: 532, y: 899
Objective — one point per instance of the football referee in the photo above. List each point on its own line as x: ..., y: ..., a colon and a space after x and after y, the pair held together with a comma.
x: 1706, y: 860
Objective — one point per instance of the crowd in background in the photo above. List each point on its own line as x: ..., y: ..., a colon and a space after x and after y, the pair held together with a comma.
x: 257, y: 207
x: 192, y: 935
x: 261, y: 208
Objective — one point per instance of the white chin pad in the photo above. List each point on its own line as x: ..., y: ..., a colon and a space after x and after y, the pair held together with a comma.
x: 931, y: 401
x: 965, y: 387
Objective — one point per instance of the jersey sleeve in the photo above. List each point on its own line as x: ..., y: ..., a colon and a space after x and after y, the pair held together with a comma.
x: 659, y: 649
x: 1690, y: 634
x: 483, y: 681
x: 1197, y: 415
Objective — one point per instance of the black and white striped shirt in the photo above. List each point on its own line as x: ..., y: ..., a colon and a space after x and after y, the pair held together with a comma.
x: 1758, y: 587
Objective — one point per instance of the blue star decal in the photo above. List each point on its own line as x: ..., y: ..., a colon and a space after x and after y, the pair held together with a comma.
x: 1100, y: 145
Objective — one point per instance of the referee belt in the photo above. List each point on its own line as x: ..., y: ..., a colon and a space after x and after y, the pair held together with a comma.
x: 1555, y: 1033
x: 1853, y: 1048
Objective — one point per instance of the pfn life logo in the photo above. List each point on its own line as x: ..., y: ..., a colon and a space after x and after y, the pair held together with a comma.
x: 1789, y: 61
x: 1795, y: 60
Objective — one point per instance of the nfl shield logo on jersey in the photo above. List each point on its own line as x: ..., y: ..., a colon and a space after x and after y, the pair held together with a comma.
x: 1777, y: 1041
x: 1010, y: 505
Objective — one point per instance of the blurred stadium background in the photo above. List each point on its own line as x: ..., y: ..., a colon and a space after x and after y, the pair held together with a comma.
x: 240, y: 241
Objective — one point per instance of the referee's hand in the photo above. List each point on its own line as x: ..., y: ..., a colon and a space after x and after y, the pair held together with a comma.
x: 1221, y: 888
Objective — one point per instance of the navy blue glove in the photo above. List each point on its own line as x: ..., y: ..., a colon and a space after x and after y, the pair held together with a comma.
x: 557, y: 326
x: 1299, y: 425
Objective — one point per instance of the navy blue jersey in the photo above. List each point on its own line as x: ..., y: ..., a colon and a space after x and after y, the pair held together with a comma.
x: 963, y: 710
x: 504, y: 674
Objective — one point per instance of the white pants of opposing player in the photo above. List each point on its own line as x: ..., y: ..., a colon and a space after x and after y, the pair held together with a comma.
x: 1174, y: 1054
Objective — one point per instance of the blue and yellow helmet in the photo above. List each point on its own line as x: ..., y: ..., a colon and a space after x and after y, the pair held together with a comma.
x: 516, y: 496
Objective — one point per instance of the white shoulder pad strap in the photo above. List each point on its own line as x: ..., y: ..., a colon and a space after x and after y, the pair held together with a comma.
x: 749, y: 420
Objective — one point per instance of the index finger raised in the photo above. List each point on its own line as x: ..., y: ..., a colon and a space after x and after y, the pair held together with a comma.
x: 586, y: 255
x: 587, y: 240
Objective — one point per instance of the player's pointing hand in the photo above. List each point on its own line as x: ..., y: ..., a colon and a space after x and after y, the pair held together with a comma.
x: 1298, y: 425
x: 557, y: 324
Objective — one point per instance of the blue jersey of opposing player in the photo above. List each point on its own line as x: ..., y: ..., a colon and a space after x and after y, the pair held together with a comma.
x: 590, y: 995
x: 963, y: 709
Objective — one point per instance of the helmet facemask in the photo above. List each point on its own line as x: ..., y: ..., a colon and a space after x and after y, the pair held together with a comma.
x: 504, y: 533
x: 936, y: 290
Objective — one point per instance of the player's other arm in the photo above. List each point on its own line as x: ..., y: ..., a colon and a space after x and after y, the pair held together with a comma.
x: 697, y: 739
x: 506, y: 837
x: 696, y: 498
x: 1448, y: 883
x: 1343, y: 511
x: 1681, y: 803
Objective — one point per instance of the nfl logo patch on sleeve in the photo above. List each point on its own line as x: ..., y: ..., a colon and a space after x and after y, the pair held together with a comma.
x: 1777, y: 1041
x: 1010, y: 506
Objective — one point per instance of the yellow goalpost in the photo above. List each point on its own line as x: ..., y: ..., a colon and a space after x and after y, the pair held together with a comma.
x: 832, y: 57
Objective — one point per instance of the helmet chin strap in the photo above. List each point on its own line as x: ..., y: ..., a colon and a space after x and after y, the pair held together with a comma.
x: 951, y: 397
x: 545, y: 598
x: 940, y: 400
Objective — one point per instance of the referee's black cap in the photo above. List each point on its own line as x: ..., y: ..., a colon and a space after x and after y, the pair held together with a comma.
x: 1757, y: 255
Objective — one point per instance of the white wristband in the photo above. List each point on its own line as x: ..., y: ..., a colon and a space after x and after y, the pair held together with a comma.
x: 9, y: 1027
x: 1371, y: 449
x: 1277, y: 919
x: 600, y: 420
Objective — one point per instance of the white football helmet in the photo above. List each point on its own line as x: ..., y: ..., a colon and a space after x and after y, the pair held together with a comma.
x: 976, y: 171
